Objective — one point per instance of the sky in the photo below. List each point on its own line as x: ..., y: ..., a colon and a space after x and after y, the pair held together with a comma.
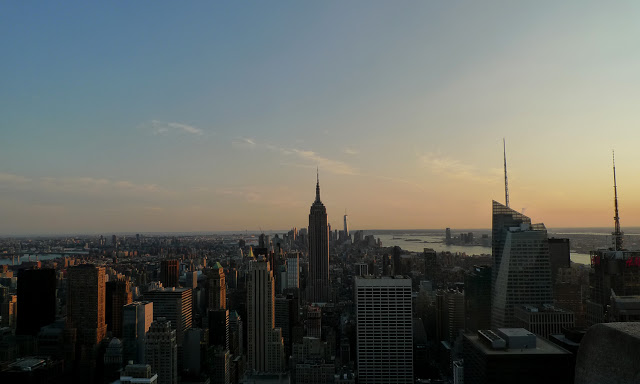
x: 213, y: 116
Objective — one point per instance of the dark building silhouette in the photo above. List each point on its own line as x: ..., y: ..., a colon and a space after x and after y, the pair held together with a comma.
x: 318, y: 251
x: 219, y: 330
x: 477, y: 298
x: 430, y: 264
x: 36, y: 300
x: 169, y: 272
x: 118, y: 294
x: 513, y: 355
x: 559, y: 255
x: 397, y: 261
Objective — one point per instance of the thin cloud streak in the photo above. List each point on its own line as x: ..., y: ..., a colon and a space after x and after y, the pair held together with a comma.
x: 453, y: 168
x: 163, y: 127
x: 326, y: 164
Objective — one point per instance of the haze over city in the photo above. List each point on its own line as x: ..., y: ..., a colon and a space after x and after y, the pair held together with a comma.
x: 139, y: 117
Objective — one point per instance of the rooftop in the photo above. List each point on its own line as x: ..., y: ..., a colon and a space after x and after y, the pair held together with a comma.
x: 543, y: 347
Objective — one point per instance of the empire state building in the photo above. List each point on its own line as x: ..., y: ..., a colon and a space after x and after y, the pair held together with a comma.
x: 318, y: 251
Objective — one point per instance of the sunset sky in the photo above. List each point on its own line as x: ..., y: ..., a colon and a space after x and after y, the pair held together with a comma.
x: 210, y: 116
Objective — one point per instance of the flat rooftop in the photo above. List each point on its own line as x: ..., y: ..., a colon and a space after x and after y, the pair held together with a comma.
x: 543, y: 347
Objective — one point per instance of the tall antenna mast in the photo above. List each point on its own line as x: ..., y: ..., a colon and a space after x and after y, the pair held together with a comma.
x: 506, y: 182
x: 617, y: 233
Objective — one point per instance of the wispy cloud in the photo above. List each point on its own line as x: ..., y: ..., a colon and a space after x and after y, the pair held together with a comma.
x: 350, y: 151
x: 243, y: 142
x: 310, y: 158
x: 163, y: 127
x: 453, y: 168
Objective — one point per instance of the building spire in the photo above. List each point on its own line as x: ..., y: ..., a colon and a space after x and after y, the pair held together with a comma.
x: 317, y: 185
x: 506, y: 183
x: 617, y: 233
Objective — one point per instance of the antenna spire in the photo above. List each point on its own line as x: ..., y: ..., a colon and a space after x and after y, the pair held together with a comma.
x: 317, y: 184
x: 506, y: 182
x: 617, y: 233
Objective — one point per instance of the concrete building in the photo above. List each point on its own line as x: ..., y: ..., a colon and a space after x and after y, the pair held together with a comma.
x: 86, y: 303
x: 118, y: 294
x: 265, y: 346
x: 174, y: 305
x: 545, y: 320
x: 521, y: 271
x: 617, y: 271
x: 169, y: 272
x: 136, y: 320
x: 318, y: 283
x: 217, y: 287
x: 384, y: 330
x: 138, y: 374
x: 513, y: 355
x: 162, y: 351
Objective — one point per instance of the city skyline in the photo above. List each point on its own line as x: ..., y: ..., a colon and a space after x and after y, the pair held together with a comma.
x: 212, y: 117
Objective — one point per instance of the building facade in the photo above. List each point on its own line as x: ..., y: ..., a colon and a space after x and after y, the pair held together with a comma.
x: 521, y: 271
x: 384, y: 330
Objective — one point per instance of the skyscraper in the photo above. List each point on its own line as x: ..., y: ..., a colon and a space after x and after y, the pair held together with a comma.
x: 169, y: 272
x: 477, y: 298
x: 175, y: 305
x: 265, y: 344
x: 521, y: 272
x: 346, y: 227
x: 384, y: 330
x: 136, y: 320
x: 86, y: 303
x: 318, y: 251
x: 118, y: 294
x: 36, y: 300
x: 162, y: 351
x: 217, y: 288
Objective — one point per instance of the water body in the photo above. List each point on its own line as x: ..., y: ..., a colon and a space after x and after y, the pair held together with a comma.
x: 436, y: 242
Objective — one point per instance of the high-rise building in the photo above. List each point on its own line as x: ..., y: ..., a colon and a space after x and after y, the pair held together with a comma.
x: 318, y: 251
x: 136, y: 320
x: 175, y: 305
x: 118, y: 294
x: 286, y: 311
x: 384, y: 330
x: 314, y: 322
x: 431, y: 269
x: 293, y: 271
x: 219, y: 330
x: 521, y: 271
x: 346, y: 227
x: 36, y: 300
x: 162, y: 351
x: 217, y: 288
x: 612, y: 272
x: 477, y: 299
x: 86, y: 303
x: 169, y: 272
x: 397, y: 261
x: 559, y: 256
x: 236, y: 329
x: 264, y: 341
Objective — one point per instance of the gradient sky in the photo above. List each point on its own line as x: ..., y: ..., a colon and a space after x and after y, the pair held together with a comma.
x: 202, y: 116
